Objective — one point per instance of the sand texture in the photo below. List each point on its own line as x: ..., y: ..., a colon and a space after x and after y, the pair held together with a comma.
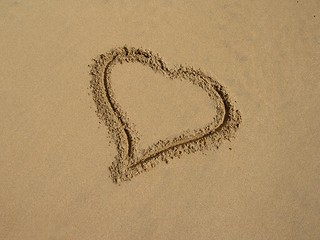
x: 168, y: 119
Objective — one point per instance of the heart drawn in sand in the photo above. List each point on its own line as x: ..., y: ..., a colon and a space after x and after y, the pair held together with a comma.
x: 127, y: 163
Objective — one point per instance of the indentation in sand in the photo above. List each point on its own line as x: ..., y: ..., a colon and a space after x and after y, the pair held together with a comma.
x: 129, y: 161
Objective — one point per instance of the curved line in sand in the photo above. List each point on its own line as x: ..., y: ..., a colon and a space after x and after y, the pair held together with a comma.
x: 127, y: 131
x: 230, y: 118
x: 111, y: 102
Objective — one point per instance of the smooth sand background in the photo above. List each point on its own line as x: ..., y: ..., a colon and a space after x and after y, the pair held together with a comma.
x: 55, y: 154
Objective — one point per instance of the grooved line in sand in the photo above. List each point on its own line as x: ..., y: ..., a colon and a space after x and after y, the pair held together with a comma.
x: 128, y: 162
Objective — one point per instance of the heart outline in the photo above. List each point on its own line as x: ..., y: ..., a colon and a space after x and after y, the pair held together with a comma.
x: 127, y: 164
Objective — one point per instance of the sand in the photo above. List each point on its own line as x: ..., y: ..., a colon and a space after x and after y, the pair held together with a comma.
x: 204, y: 64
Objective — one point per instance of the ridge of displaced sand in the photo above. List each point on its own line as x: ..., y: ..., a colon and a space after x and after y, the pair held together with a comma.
x: 127, y: 164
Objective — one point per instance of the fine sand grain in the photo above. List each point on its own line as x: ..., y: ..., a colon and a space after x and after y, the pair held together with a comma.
x: 127, y: 163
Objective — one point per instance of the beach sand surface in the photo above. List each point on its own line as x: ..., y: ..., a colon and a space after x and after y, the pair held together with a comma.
x: 55, y: 155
